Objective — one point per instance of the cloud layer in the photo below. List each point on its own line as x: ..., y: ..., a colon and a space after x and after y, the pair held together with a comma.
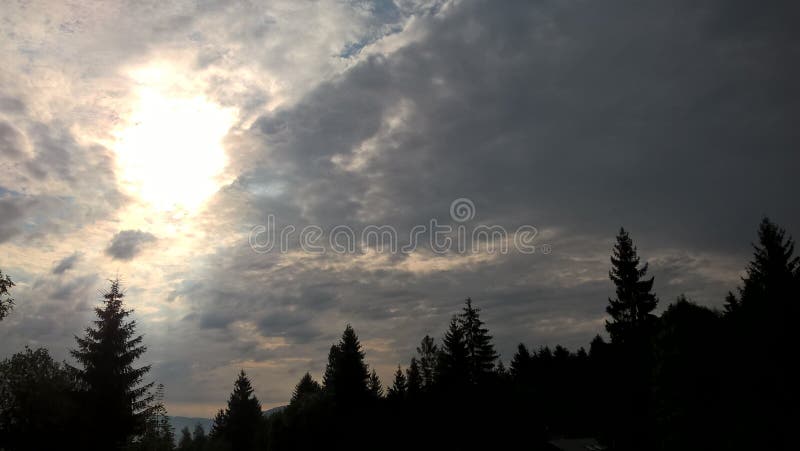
x: 674, y: 120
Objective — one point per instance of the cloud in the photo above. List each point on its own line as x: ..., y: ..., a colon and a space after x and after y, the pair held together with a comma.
x: 127, y: 244
x: 12, y: 143
x: 674, y: 120
x: 569, y: 117
x: 66, y: 263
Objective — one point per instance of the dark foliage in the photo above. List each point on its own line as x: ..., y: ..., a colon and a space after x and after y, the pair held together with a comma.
x: 692, y: 378
x: 239, y: 425
x: 115, y: 402
x: 6, y: 301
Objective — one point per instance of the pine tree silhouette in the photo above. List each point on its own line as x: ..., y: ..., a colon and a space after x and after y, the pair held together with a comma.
x: 522, y: 364
x: 413, y: 379
x: 116, y: 404
x: 375, y: 386
x: 346, y: 376
x: 428, y: 354
x: 306, y: 389
x: 453, y: 366
x: 240, y: 421
x: 399, y: 387
x: 480, y: 350
x: 764, y: 336
x: 631, y: 309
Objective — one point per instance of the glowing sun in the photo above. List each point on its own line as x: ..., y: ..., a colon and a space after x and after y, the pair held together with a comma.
x: 171, y: 155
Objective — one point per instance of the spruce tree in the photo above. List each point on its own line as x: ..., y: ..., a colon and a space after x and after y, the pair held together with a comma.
x: 399, y: 387
x: 480, y: 350
x: 375, y: 386
x: 764, y: 341
x: 453, y: 366
x: 306, y: 389
x: 240, y: 421
x: 413, y: 379
x: 6, y: 301
x: 428, y: 355
x: 346, y: 376
x: 631, y: 310
x: 116, y: 403
x: 522, y: 364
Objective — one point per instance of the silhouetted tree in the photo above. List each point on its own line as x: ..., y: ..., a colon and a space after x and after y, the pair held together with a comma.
x: 686, y: 377
x: 375, y: 386
x: 115, y: 403
x: 631, y: 328
x: 36, y: 403
x: 428, y: 355
x: 413, y: 379
x: 764, y: 338
x: 158, y: 433
x: 346, y: 376
x: 306, y: 389
x: 631, y: 310
x: 399, y: 387
x: 6, y: 301
x: 480, y: 350
x: 453, y: 367
x: 522, y: 364
x: 241, y: 420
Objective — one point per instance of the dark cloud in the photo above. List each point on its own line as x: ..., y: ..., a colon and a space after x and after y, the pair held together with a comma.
x: 11, y: 105
x: 13, y: 209
x: 66, y: 263
x: 127, y: 244
x: 674, y: 119
x: 576, y: 118
x: 12, y: 143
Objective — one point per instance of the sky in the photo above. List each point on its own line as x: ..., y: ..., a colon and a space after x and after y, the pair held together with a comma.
x: 158, y: 141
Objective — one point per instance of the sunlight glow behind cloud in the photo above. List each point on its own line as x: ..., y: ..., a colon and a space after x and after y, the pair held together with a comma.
x: 170, y: 154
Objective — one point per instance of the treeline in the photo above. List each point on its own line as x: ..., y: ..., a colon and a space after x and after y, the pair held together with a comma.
x: 99, y: 404
x: 691, y: 378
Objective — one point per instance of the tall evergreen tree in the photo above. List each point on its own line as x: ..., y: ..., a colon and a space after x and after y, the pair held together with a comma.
x: 631, y: 310
x: 413, y: 379
x: 480, y: 350
x: 772, y: 275
x: 375, y: 386
x: 346, y: 376
x: 6, y: 301
x: 631, y: 328
x: 764, y: 339
x: 306, y: 389
x: 241, y: 420
x: 453, y: 366
x: 399, y: 387
x: 116, y: 403
x: 521, y: 364
x: 428, y: 355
